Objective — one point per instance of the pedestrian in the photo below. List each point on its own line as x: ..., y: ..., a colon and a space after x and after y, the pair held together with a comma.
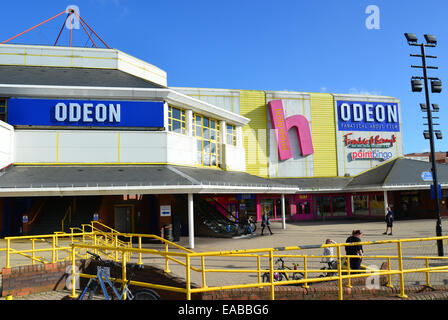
x: 328, y: 255
x: 354, y: 250
x: 265, y: 222
x: 249, y: 224
x: 389, y: 220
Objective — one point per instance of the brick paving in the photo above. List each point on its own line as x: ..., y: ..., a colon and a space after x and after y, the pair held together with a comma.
x: 301, y: 234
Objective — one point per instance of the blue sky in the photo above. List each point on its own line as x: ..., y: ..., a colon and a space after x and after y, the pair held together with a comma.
x: 296, y: 45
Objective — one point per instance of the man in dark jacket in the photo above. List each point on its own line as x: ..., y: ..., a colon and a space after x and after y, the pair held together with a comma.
x: 389, y: 220
x: 354, y: 250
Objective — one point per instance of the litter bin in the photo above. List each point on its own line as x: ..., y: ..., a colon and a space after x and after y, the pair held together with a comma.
x: 168, y: 232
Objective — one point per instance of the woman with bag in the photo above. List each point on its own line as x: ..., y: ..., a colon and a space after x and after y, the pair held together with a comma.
x: 265, y: 221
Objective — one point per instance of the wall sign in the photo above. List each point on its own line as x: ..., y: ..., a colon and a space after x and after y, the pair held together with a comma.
x: 282, y: 125
x: 85, y: 113
x: 373, y: 142
x: 370, y: 155
x: 165, y: 211
x: 367, y: 116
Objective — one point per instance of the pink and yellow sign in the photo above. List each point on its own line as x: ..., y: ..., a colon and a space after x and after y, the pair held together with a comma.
x: 282, y: 126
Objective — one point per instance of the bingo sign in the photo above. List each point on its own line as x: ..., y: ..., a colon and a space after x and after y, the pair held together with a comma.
x: 368, y: 116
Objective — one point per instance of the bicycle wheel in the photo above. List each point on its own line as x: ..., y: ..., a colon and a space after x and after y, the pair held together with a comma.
x: 92, y: 290
x: 146, y: 294
x: 253, y: 226
x: 266, y: 277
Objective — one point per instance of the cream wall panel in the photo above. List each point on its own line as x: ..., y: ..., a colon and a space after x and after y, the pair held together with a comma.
x: 29, y: 55
x: 88, y: 147
x: 6, y: 144
x: 35, y: 146
x: 233, y: 158
x: 143, y: 147
x: 181, y: 149
x: 223, y: 98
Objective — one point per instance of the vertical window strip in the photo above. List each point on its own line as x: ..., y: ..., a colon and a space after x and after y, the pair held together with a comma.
x: 231, y: 135
x: 206, y: 131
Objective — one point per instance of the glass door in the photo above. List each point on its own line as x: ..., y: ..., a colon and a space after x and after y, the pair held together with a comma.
x: 303, y: 208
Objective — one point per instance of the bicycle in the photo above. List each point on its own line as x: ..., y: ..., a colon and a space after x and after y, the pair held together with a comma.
x: 280, y: 276
x: 331, y: 265
x: 103, y: 277
x: 245, y: 227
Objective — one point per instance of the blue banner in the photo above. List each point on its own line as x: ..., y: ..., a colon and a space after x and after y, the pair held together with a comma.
x: 85, y: 113
x: 368, y: 116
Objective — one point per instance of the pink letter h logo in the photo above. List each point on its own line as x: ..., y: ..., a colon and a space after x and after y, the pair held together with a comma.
x: 282, y: 125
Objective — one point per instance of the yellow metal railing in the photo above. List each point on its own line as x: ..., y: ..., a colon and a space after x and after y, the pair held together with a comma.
x: 186, y: 258
x: 122, y: 247
x: 57, y: 247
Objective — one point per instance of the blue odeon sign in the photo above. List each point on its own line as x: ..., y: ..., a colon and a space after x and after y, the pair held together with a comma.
x: 85, y: 113
x: 368, y: 116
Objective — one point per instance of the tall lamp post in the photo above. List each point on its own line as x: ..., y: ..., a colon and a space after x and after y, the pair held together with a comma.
x: 436, y: 87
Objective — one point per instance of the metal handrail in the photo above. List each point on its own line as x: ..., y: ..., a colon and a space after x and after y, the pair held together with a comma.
x: 272, y: 253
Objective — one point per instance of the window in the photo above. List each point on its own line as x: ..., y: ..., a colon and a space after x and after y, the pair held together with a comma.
x: 2, y: 109
x: 231, y: 135
x: 303, y: 207
x: 323, y: 206
x: 206, y: 131
x: 377, y: 205
x: 176, y: 120
x: 339, y: 206
x: 361, y: 205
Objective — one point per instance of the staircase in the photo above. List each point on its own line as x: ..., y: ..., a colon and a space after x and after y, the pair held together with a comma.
x: 50, y: 216
x: 83, y: 214
x: 209, y: 221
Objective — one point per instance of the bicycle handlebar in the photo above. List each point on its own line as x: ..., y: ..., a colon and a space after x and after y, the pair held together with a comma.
x: 98, y: 258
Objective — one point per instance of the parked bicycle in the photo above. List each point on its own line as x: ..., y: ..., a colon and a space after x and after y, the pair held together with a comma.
x: 330, y: 269
x: 103, y: 277
x: 246, y: 226
x: 283, y: 276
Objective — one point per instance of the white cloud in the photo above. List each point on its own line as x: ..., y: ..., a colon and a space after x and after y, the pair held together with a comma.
x: 364, y: 92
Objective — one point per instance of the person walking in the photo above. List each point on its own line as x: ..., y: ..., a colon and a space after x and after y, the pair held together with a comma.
x: 354, y: 250
x: 265, y: 222
x: 389, y: 220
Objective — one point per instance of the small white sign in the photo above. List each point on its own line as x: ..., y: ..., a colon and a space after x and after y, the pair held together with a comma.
x: 165, y: 211
x: 427, y: 176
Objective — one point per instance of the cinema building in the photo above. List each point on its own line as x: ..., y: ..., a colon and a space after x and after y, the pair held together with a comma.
x: 96, y: 134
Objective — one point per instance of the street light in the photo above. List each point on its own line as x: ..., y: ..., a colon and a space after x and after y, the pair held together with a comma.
x: 436, y: 87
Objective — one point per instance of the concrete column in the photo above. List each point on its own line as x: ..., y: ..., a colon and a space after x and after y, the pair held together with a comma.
x: 165, y: 116
x: 283, y: 213
x: 189, y: 122
x: 386, y: 202
x: 190, y: 221
x: 223, y: 131
x: 239, y: 136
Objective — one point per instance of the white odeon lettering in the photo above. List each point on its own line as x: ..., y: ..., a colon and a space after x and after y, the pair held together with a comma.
x: 368, y: 112
x: 87, y: 112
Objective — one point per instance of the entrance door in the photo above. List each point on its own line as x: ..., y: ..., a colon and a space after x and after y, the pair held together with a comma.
x: 303, y: 209
x: 124, y: 218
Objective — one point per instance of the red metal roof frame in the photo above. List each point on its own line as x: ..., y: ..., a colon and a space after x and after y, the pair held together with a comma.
x: 70, y: 12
